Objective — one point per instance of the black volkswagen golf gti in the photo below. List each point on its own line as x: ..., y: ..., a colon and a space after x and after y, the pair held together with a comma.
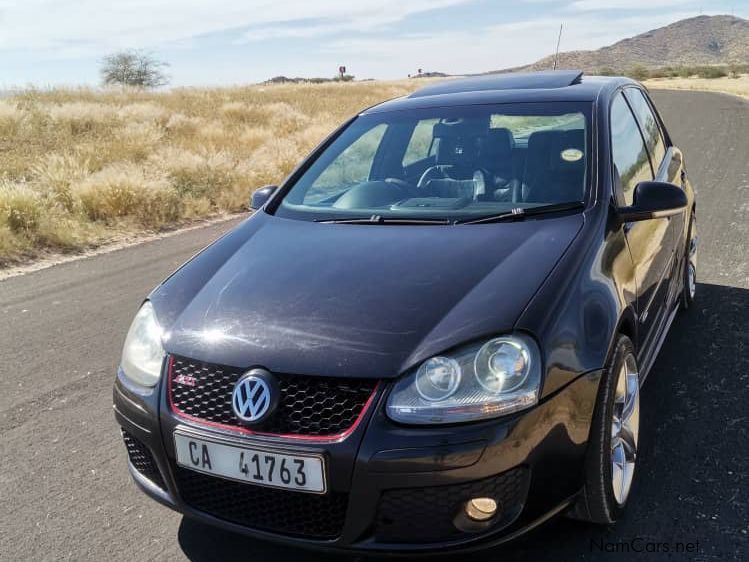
x: 433, y: 335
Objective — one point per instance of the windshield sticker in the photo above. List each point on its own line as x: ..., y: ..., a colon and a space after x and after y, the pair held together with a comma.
x: 571, y: 155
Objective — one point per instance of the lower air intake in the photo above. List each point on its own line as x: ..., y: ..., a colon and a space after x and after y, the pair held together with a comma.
x: 280, y: 511
x: 428, y: 514
x: 142, y: 459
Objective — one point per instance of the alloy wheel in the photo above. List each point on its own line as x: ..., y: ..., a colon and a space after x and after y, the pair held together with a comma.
x: 625, y: 429
x: 691, y: 279
x: 692, y: 261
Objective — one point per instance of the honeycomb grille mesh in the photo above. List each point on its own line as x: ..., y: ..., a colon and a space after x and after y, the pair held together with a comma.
x: 287, y: 512
x: 142, y: 459
x: 315, y: 406
x: 427, y: 514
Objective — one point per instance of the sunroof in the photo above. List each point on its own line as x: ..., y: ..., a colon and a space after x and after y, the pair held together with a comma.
x: 515, y: 81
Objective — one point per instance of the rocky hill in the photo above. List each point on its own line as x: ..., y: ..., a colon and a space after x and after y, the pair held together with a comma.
x: 702, y: 40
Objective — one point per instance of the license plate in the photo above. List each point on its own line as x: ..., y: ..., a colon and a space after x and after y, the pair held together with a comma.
x: 251, y: 464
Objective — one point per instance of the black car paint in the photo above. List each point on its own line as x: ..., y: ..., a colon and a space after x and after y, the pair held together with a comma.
x: 574, y: 285
x: 380, y: 455
x: 410, y: 292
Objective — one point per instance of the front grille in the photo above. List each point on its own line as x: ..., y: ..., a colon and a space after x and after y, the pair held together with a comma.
x: 428, y: 514
x: 267, y: 509
x: 142, y: 459
x: 315, y: 406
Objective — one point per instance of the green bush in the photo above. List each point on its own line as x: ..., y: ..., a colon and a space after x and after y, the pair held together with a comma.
x: 639, y: 73
x: 685, y: 71
x: 712, y: 72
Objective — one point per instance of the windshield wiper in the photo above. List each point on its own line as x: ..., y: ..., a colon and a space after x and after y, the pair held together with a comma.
x: 522, y: 212
x: 377, y: 219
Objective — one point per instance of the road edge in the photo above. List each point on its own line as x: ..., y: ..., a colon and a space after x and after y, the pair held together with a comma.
x: 661, y: 86
x: 111, y: 246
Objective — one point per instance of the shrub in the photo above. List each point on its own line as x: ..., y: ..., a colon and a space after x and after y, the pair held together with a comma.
x: 711, y: 72
x: 126, y: 191
x: 80, y: 118
x: 20, y: 208
x: 11, y: 119
x: 203, y: 174
x: 11, y: 245
x: 143, y: 111
x: 639, y: 73
x: 55, y: 174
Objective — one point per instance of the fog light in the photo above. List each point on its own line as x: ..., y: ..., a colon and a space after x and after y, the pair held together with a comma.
x: 481, y: 509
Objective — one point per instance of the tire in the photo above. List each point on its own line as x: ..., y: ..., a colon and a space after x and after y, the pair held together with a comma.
x: 599, y: 502
x: 690, y: 261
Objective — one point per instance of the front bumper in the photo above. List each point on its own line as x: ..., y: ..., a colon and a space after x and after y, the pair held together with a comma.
x: 391, y: 487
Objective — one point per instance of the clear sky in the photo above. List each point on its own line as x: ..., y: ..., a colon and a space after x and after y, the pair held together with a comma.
x: 53, y: 42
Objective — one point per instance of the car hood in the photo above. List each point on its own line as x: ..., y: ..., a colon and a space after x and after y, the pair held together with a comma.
x: 354, y: 300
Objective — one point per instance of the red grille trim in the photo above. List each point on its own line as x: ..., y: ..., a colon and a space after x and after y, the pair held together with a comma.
x: 337, y: 438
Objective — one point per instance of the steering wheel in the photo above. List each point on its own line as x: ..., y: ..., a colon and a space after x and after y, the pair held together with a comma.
x: 433, y: 173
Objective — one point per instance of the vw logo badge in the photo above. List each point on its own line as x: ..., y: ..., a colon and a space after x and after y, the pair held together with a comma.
x: 255, y: 396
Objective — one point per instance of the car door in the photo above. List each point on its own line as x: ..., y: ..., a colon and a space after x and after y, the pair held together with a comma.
x: 649, y: 241
x: 668, y: 166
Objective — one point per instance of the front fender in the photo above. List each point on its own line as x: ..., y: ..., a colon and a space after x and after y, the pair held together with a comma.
x: 584, y: 303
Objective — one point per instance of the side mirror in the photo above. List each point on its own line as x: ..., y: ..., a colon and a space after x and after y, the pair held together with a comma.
x: 654, y: 200
x: 261, y: 196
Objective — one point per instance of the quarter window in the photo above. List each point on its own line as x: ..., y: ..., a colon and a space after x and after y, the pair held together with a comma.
x: 628, y: 149
x: 422, y: 143
x: 649, y: 124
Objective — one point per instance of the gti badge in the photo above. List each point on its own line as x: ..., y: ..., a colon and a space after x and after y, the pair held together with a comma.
x: 255, y: 396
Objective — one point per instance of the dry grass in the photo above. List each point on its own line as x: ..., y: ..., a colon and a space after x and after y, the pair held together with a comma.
x: 738, y: 86
x: 79, y: 166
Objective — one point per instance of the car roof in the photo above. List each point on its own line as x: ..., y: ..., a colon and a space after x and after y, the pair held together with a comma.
x: 543, y: 86
x: 510, y: 81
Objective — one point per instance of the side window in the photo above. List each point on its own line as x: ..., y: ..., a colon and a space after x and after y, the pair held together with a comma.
x: 420, y: 145
x: 649, y: 124
x: 351, y: 166
x: 628, y: 150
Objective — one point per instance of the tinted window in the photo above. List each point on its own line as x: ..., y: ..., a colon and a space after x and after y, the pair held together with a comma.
x: 421, y: 145
x: 351, y: 166
x: 649, y: 125
x: 448, y: 162
x: 523, y: 126
x: 628, y: 149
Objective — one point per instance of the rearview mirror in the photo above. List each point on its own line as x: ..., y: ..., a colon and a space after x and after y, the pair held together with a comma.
x: 654, y: 200
x: 261, y: 196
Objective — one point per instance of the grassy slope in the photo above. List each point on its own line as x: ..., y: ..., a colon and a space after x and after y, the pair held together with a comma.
x: 80, y: 167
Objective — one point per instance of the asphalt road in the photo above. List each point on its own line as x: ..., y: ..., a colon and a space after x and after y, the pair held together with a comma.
x: 64, y: 489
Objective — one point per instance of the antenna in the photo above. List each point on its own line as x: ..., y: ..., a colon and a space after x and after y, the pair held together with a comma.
x: 559, y: 40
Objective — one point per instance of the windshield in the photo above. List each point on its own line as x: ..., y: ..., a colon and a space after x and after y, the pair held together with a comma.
x: 454, y: 163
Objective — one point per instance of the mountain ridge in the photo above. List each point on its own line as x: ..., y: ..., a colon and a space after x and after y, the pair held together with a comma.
x: 701, y: 40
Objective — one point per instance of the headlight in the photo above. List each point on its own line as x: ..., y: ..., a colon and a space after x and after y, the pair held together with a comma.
x: 142, y: 354
x: 479, y: 381
x: 437, y: 379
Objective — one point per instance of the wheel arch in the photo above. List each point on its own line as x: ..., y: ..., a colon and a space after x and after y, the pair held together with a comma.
x: 627, y: 326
